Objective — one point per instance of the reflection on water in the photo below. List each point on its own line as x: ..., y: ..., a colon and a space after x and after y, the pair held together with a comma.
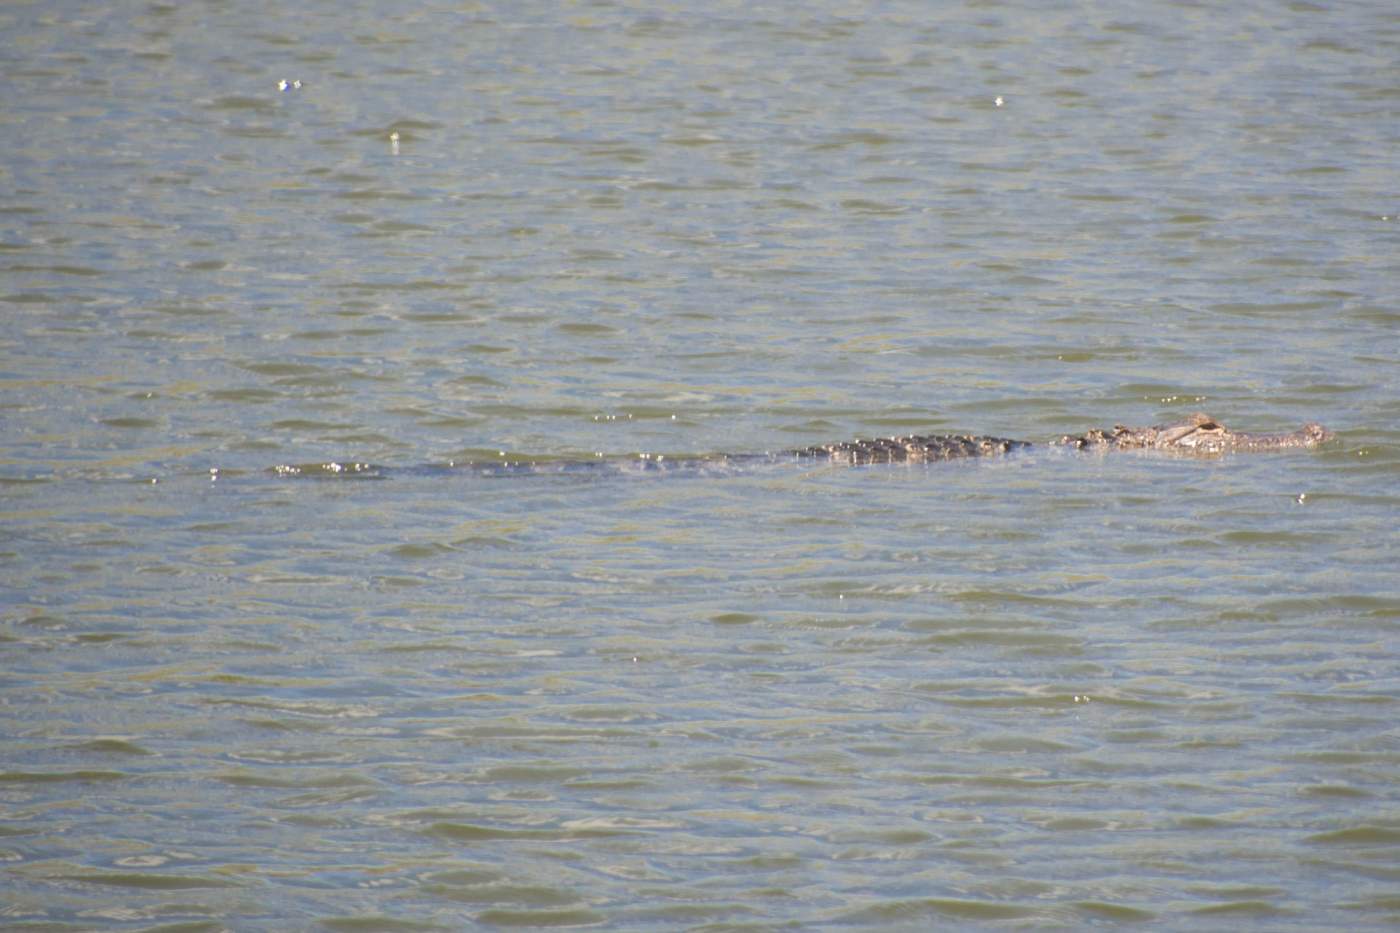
x: 1051, y: 689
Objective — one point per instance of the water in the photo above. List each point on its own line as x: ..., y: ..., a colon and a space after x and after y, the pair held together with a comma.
x: 1046, y: 690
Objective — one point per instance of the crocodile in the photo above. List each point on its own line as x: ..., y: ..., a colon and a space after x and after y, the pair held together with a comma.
x: 1200, y: 435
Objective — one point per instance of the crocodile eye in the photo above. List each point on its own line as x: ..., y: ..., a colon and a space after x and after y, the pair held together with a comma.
x: 1209, y: 426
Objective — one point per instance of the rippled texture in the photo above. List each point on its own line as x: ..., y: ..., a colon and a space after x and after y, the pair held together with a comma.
x: 1054, y: 688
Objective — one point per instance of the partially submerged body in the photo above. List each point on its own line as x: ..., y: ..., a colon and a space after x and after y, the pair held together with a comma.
x: 1201, y: 435
x: 914, y: 448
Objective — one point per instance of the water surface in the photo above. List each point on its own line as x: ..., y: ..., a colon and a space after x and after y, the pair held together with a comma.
x: 1043, y: 690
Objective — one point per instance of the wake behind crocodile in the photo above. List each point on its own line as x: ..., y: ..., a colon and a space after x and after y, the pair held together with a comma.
x: 1199, y: 436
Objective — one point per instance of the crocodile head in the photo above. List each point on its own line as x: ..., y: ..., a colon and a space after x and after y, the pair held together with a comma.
x: 1201, y: 434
